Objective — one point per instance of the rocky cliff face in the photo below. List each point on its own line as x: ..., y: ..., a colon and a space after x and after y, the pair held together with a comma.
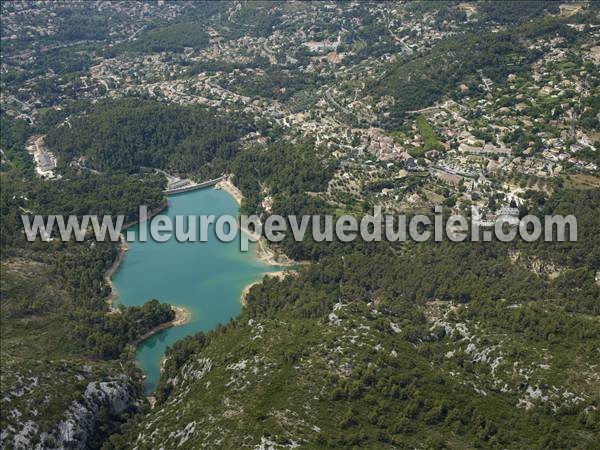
x: 377, y: 375
x: 115, y: 396
x: 101, y: 400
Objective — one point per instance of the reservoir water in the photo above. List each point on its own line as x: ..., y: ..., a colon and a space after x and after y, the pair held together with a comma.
x: 207, y: 278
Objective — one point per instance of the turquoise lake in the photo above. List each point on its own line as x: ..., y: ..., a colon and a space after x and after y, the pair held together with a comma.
x: 205, y: 277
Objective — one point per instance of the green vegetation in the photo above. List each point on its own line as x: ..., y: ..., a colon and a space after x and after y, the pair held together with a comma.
x: 419, y: 81
x: 58, y: 334
x: 172, y: 38
x: 286, y: 169
x: 81, y: 193
x: 76, y: 269
x: 129, y: 134
x: 582, y: 181
x: 362, y: 345
x: 385, y: 347
x: 13, y: 134
x: 512, y: 12
x: 274, y: 83
x: 108, y: 337
x: 430, y: 140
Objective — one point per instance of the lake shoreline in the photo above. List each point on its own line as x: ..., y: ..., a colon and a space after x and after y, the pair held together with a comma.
x: 114, y: 294
x: 281, y: 274
x: 261, y: 253
x: 182, y: 316
x: 227, y: 186
x: 264, y: 253
x: 123, y: 248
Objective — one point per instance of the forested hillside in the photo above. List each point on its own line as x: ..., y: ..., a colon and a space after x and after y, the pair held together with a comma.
x: 55, y: 321
x: 383, y: 347
x: 173, y: 38
x: 489, y: 108
x: 129, y: 134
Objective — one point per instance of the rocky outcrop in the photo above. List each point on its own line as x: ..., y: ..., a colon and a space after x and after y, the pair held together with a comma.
x: 113, y: 396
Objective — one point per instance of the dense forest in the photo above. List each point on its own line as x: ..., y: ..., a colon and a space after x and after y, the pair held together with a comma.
x: 172, y: 38
x: 373, y: 345
x: 77, y: 193
x: 390, y: 400
x: 514, y: 12
x: 286, y: 168
x: 55, y: 321
x: 78, y: 268
x: 129, y: 134
x: 13, y: 134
